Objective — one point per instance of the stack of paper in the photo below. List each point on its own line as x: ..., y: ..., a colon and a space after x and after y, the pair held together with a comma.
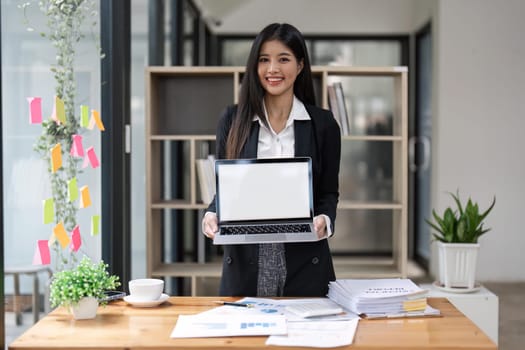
x: 393, y: 297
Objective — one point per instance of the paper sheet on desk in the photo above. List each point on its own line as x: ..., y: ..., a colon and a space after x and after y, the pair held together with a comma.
x: 320, y: 334
x: 266, y: 306
x: 200, y: 326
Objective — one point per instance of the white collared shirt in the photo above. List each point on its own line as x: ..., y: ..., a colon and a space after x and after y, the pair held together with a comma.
x: 282, y: 144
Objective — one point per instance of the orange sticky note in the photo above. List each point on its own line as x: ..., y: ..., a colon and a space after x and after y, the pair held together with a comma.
x: 85, y: 199
x: 61, y: 235
x: 76, y: 241
x: 95, y: 224
x: 49, y: 210
x: 56, y: 158
x: 95, y: 120
x: 41, y: 256
x: 77, y: 150
x: 59, y: 112
x: 35, y: 110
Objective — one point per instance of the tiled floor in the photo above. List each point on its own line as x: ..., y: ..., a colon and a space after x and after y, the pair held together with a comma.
x: 511, y: 316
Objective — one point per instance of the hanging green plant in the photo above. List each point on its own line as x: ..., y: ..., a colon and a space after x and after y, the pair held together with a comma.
x: 67, y: 21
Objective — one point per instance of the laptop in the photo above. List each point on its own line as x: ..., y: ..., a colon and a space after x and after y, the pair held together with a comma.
x: 266, y: 200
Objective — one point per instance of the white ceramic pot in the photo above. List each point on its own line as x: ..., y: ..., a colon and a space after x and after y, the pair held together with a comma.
x: 85, y: 309
x: 457, y: 264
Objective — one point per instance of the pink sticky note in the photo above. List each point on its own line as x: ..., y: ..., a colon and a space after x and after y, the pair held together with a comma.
x: 41, y: 256
x: 77, y: 150
x: 76, y: 241
x: 93, y: 160
x: 35, y: 110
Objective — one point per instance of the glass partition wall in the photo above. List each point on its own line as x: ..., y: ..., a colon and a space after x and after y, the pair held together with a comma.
x: 26, y: 62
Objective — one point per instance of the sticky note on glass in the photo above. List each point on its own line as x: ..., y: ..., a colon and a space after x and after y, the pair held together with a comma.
x: 91, y: 158
x: 35, y: 110
x: 95, y: 224
x: 77, y: 150
x: 49, y: 210
x: 61, y: 235
x: 59, y: 112
x: 72, y: 189
x: 56, y: 158
x: 76, y: 241
x: 41, y: 256
x: 84, y: 116
x: 51, y: 240
x: 85, y: 199
x: 95, y: 120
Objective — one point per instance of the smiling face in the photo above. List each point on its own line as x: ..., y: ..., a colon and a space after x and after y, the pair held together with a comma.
x: 277, y: 68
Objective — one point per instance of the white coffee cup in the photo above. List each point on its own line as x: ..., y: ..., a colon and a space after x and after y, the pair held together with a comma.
x: 146, y: 289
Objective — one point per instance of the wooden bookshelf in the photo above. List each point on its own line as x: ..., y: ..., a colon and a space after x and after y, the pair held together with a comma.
x: 182, y: 111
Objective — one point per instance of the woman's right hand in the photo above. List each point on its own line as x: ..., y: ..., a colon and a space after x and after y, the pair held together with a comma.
x: 210, y: 224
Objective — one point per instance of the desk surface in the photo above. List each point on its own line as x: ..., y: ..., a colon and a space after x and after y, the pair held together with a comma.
x: 119, y: 326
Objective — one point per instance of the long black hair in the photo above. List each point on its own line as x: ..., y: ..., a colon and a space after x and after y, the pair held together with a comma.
x: 252, y: 92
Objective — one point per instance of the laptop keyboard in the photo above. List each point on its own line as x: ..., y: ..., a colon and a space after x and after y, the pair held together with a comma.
x: 254, y: 229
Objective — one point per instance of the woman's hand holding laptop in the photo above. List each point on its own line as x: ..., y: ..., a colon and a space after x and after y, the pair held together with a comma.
x: 210, y: 225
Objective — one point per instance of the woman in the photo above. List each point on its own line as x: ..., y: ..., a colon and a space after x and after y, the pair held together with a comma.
x: 276, y: 117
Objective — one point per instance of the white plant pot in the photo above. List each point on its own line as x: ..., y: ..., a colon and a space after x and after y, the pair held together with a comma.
x: 85, y: 309
x: 457, y: 264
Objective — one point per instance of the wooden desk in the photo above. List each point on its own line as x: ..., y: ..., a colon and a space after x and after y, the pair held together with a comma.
x: 119, y: 326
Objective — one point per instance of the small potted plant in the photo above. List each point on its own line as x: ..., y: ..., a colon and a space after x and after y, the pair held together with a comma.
x: 81, y: 288
x: 457, y: 233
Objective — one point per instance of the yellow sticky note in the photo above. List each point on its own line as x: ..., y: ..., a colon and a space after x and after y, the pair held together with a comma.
x: 84, y: 116
x: 59, y: 112
x: 85, y: 199
x: 96, y: 118
x: 95, y: 223
x: 61, y: 235
x: 49, y: 210
x: 56, y: 158
x: 72, y: 189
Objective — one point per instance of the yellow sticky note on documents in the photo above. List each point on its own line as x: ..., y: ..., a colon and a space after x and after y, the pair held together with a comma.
x: 49, y: 210
x: 61, y: 235
x: 85, y: 199
x: 56, y: 158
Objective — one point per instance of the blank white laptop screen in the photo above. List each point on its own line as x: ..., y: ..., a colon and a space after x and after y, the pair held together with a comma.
x: 264, y: 201
x: 263, y: 191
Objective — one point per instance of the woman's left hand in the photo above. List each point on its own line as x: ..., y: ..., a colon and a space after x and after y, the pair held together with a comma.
x: 320, y: 226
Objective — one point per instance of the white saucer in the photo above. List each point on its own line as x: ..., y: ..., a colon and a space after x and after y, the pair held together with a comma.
x: 150, y: 303
x: 439, y: 286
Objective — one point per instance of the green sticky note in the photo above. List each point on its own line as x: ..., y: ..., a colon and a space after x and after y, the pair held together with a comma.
x: 72, y: 189
x: 84, y: 116
x: 49, y: 210
x: 95, y: 222
x: 60, y: 111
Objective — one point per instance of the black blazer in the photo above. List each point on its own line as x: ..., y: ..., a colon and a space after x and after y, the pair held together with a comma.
x: 309, y: 265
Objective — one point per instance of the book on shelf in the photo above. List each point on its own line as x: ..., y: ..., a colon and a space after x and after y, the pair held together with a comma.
x: 341, y: 106
x: 332, y: 103
x: 206, y: 177
x: 380, y: 298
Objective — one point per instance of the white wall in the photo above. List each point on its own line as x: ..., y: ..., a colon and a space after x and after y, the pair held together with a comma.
x: 478, y: 122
